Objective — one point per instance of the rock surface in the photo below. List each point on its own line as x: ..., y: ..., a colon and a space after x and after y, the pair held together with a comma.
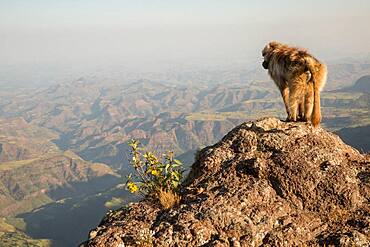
x: 266, y: 183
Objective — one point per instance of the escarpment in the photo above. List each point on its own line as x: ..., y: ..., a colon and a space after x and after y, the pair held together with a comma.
x: 266, y: 183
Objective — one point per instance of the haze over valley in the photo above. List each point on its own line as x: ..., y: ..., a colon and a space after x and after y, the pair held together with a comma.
x: 64, y: 146
x: 78, y: 81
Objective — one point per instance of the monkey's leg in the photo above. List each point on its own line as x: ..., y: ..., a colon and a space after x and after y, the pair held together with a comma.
x: 296, y: 92
x: 309, y: 101
x: 301, y: 110
x: 284, y: 90
x: 301, y: 103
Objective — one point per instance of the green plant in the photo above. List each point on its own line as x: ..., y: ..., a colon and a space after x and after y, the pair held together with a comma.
x: 154, y: 177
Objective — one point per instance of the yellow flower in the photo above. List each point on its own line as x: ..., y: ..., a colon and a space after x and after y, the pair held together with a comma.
x: 155, y: 172
x: 132, y: 187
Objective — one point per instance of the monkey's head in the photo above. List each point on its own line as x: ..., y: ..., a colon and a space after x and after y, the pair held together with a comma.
x: 268, y: 51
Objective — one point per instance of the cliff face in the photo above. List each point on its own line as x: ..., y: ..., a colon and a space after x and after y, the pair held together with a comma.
x: 28, y: 184
x: 266, y: 183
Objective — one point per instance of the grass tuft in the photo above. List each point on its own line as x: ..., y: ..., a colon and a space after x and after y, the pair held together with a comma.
x: 168, y: 199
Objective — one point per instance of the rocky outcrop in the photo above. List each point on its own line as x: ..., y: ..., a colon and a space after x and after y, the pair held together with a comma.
x: 266, y: 183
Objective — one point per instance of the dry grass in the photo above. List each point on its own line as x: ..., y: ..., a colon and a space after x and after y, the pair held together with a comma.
x: 168, y: 199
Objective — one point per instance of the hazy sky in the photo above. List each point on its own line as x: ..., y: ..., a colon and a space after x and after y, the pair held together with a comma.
x: 101, y: 33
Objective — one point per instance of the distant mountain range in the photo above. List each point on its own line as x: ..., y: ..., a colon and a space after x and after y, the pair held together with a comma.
x: 357, y: 137
x: 361, y: 85
x: 67, y: 143
x: 34, y: 172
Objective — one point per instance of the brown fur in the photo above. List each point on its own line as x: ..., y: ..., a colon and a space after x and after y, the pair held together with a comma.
x: 299, y: 76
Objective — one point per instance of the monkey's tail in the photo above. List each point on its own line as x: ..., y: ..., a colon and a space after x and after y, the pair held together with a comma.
x: 319, y: 73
